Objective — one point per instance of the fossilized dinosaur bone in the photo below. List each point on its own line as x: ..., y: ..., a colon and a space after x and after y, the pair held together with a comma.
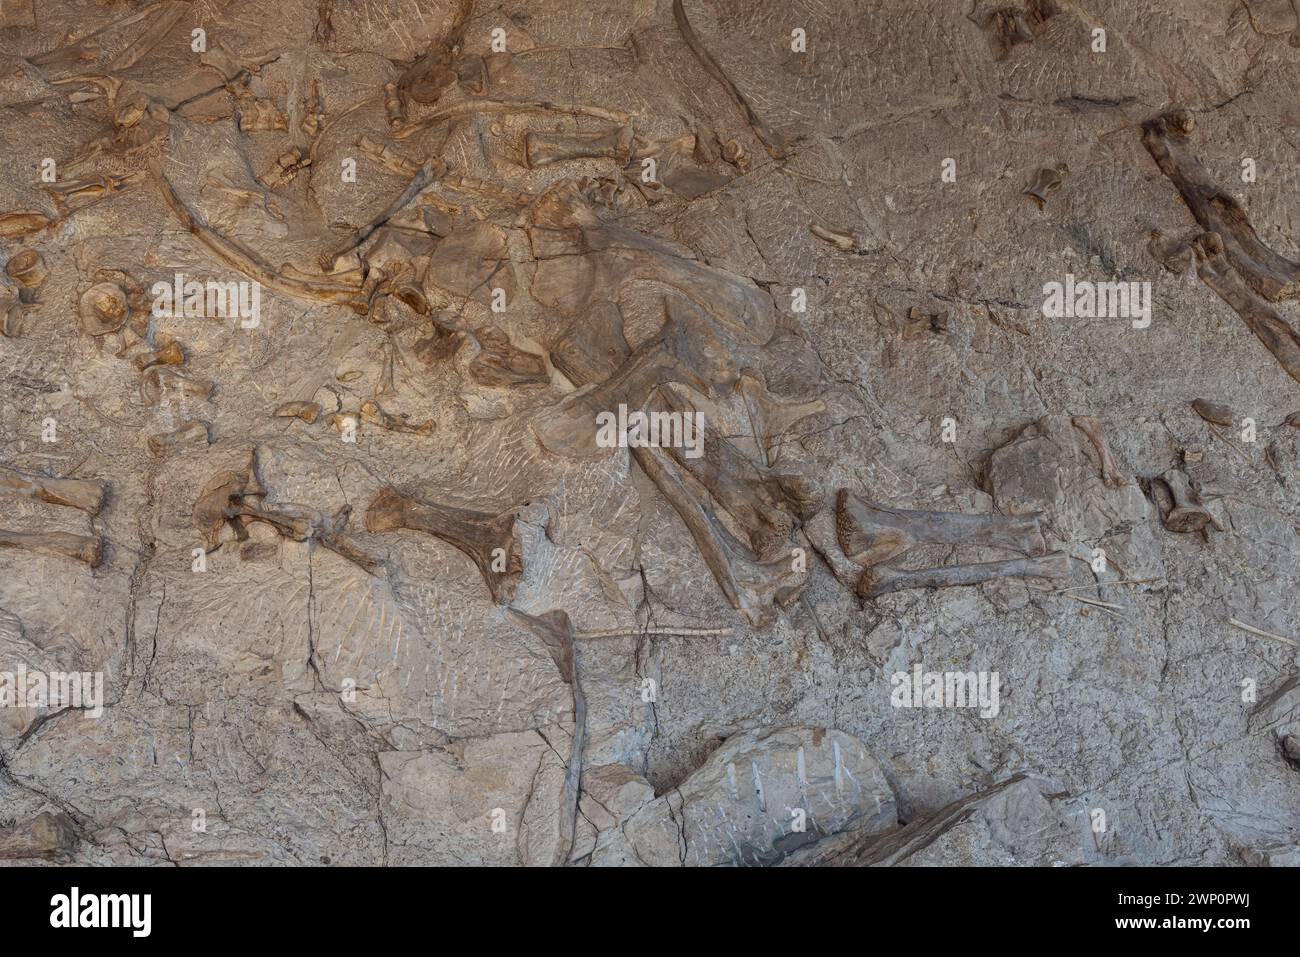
x: 880, y: 580
x: 65, y: 544
x: 1273, y: 276
x: 85, y: 494
x: 301, y: 523
x: 1216, y: 271
x: 488, y: 540
x: 543, y: 148
x: 1186, y: 515
x: 1091, y: 427
x: 871, y: 534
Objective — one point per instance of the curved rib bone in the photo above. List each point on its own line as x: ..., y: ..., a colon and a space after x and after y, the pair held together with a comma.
x: 85, y: 494
x: 478, y: 534
x: 870, y: 534
x: 1091, y: 427
x: 881, y: 579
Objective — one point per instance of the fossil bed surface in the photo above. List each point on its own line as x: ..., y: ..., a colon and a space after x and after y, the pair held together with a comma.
x: 358, y: 629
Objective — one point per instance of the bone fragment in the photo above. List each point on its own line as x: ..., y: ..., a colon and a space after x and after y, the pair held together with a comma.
x: 880, y: 580
x: 85, y: 494
x: 64, y: 544
x: 1096, y: 433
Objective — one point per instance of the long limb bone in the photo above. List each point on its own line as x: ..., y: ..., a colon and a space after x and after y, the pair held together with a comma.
x: 880, y: 580
x: 870, y: 534
x: 488, y: 540
x: 79, y: 547
x: 85, y: 494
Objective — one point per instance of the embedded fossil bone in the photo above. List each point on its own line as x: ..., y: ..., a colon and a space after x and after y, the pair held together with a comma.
x: 307, y: 411
x: 1271, y: 275
x: 224, y: 490
x: 753, y: 586
x: 880, y: 580
x: 1217, y: 272
x: 372, y: 412
x: 766, y: 135
x: 488, y: 540
x: 387, y: 157
x: 499, y: 363
x: 869, y: 534
x: 1213, y: 412
x: 1187, y: 515
x: 159, y: 381
x: 85, y: 494
x: 103, y: 308
x: 301, y: 523
x: 772, y: 417
x: 542, y: 149
x: 259, y: 115
x: 287, y: 165
x: 393, y: 106
x: 1091, y: 427
x: 189, y: 432
x: 425, y: 80
x: 169, y: 355
x: 430, y: 170
x: 22, y: 223
x: 242, y: 260
x: 74, y: 194
x: 64, y: 544
x: 1045, y: 182
x: 11, y: 308
x: 46, y: 836
x: 844, y: 241
x: 27, y: 268
x: 476, y: 107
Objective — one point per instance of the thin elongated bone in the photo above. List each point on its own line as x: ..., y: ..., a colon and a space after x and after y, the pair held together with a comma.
x: 387, y: 157
x: 880, y: 580
x: 249, y: 263
x: 870, y: 534
x: 682, y: 632
x: 542, y: 149
x: 64, y: 544
x: 476, y: 107
x: 488, y: 540
x: 1272, y: 276
x: 166, y: 18
x: 85, y: 494
x: 1215, y: 270
x: 372, y: 412
x: 307, y: 411
x: 772, y: 417
x: 556, y: 631
x: 1187, y: 515
x: 767, y: 136
x: 751, y: 585
x: 301, y: 523
x: 430, y: 170
x: 1096, y: 433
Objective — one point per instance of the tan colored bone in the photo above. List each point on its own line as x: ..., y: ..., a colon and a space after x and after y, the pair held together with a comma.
x: 387, y: 157
x: 27, y: 268
x: 301, y: 523
x: 48, y: 835
x: 772, y: 417
x: 103, y: 308
x: 190, y: 432
x: 169, y: 355
x: 542, y: 149
x: 1045, y: 182
x: 880, y: 580
x: 1216, y: 413
x: 1091, y: 427
x: 85, y: 494
x: 158, y: 381
x: 224, y: 490
x: 1187, y: 515
x: 870, y: 534
x: 500, y: 363
x: 488, y: 540
x: 22, y: 223
x: 64, y: 544
x: 307, y: 411
x: 373, y: 413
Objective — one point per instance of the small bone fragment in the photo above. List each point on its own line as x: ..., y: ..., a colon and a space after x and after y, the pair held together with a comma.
x: 870, y: 534
x: 840, y: 240
x: 307, y: 411
x: 372, y: 412
x: 387, y: 157
x: 1187, y: 515
x: 734, y: 153
x: 772, y: 417
x: 542, y: 149
x: 258, y: 115
x: 288, y: 165
x: 499, y: 363
x: 1174, y: 254
x: 169, y: 355
x: 488, y: 540
x: 103, y: 308
x: 159, y: 380
x: 64, y: 544
x: 22, y: 223
x: 11, y: 308
x: 190, y: 432
x: 48, y: 835
x: 27, y: 268
x: 394, y: 106
x: 1214, y: 412
x: 85, y: 494
x: 1045, y: 182
x: 1293, y: 420
x: 1091, y: 427
x: 880, y: 580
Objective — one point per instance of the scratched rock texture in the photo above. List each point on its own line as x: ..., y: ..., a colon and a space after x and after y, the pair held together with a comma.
x: 388, y: 655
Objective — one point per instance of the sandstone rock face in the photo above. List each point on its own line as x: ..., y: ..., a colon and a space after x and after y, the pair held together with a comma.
x: 649, y: 432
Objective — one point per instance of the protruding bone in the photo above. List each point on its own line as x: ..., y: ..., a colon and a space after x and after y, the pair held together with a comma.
x: 488, y: 540
x: 189, y: 432
x: 1187, y: 515
x: 773, y: 417
x: 545, y: 148
x: 1216, y: 413
x: 301, y: 523
x: 79, y: 547
x: 85, y: 494
x: 870, y: 534
x: 373, y: 413
x: 307, y: 411
x: 1045, y: 182
x: 880, y: 580
x: 1091, y: 427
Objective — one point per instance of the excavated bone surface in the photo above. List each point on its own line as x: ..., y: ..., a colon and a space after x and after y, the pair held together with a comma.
x: 285, y: 705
